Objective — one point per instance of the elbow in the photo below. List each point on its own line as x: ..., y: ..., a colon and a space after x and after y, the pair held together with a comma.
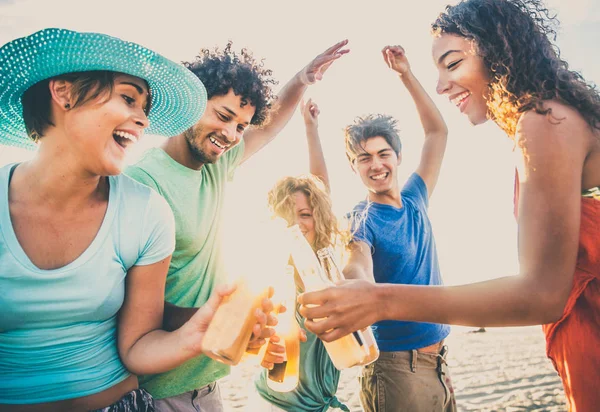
x: 550, y: 306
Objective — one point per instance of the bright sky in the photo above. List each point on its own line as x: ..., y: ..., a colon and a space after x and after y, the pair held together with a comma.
x: 471, y: 209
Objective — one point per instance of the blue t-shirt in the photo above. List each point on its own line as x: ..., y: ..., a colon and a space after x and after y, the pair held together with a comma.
x: 58, y: 327
x: 403, y: 249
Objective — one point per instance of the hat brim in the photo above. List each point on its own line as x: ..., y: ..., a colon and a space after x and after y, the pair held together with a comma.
x: 178, y: 96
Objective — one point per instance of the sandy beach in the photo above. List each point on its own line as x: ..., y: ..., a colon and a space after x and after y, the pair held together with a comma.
x: 502, y: 369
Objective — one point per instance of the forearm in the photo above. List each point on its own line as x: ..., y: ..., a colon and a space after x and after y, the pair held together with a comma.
x: 316, y: 159
x: 509, y: 301
x: 429, y: 115
x: 156, y: 352
x: 284, y: 106
x: 175, y: 316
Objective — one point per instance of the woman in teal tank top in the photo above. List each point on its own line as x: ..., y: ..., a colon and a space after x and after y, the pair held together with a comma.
x: 305, y: 201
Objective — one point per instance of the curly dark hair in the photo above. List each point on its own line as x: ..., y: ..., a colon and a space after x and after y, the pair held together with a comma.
x: 363, y: 128
x: 222, y: 70
x: 515, y: 40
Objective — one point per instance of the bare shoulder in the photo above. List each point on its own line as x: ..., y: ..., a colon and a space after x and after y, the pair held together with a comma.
x: 562, y: 129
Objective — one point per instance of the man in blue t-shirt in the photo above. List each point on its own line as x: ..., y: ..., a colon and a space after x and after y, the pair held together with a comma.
x: 393, y: 243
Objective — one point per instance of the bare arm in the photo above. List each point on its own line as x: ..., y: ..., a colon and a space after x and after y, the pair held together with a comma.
x: 436, y: 132
x: 287, y: 99
x: 316, y: 159
x: 360, y: 263
x: 549, y: 213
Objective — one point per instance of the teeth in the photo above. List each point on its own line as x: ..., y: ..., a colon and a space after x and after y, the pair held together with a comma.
x: 458, y: 99
x: 220, y: 146
x: 126, y: 135
x: 379, y: 177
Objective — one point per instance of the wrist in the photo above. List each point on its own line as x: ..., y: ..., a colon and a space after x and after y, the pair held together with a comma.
x: 303, y: 78
x: 382, y: 302
x: 407, y: 76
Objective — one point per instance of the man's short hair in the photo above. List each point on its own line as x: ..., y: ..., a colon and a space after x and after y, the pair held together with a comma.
x: 367, y: 127
x: 223, y: 70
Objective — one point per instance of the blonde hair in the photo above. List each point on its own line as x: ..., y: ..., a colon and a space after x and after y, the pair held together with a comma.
x: 282, y: 204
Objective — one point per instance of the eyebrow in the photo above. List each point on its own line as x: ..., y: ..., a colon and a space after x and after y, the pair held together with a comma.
x: 305, y: 209
x: 137, y: 87
x: 443, y: 56
x: 231, y: 112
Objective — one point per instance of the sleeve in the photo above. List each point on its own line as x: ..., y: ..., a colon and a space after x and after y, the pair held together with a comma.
x: 359, y: 226
x: 233, y: 158
x: 158, y: 234
x: 140, y: 175
x: 416, y: 189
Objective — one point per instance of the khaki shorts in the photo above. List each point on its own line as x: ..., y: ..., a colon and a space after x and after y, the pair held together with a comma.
x: 411, y: 381
x: 205, y: 399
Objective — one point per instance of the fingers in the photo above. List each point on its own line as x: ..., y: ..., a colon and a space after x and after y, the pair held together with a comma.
x: 314, y: 298
x: 274, y: 353
x: 336, y: 47
x: 302, y: 335
x: 326, y: 336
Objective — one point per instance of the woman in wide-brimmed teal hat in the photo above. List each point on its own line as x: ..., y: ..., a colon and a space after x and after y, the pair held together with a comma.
x: 79, y: 243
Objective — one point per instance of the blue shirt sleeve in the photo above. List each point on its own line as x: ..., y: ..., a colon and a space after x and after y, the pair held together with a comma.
x: 416, y: 189
x: 359, y: 227
x: 158, y: 237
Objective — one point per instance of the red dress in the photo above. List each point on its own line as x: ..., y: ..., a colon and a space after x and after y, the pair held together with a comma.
x: 573, y: 342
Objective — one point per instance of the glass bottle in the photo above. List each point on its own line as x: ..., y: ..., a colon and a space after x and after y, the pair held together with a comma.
x: 230, y: 330
x: 284, y: 377
x: 365, y: 336
x: 345, y: 352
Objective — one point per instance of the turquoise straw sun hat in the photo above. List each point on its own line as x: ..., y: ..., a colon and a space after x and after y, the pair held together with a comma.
x: 178, y: 96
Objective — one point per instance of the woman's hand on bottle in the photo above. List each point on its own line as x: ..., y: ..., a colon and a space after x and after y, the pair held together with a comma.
x: 276, y: 350
x: 263, y: 329
x: 350, y: 306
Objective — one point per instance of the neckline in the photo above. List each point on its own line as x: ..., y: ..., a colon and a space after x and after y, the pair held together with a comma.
x: 7, y: 229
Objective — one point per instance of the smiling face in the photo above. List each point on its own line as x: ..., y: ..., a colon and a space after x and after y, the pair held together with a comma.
x: 220, y: 128
x: 304, y: 216
x: 377, y: 165
x: 463, y: 76
x: 100, y: 131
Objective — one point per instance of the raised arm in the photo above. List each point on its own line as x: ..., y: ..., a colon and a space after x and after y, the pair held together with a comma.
x: 436, y: 132
x: 549, y: 217
x: 288, y: 98
x: 316, y: 159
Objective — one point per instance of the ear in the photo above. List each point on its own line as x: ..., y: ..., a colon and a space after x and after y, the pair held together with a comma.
x: 60, y: 91
x: 399, y: 159
x: 353, y: 166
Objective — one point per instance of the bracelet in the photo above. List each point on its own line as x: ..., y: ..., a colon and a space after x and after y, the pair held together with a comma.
x: 304, y: 78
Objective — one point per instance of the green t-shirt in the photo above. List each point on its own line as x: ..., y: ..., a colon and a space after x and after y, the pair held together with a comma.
x: 318, y: 381
x: 196, y: 198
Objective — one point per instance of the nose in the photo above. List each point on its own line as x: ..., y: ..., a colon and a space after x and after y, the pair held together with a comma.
x: 229, y: 133
x: 443, y: 85
x: 375, y: 163
x: 141, y: 119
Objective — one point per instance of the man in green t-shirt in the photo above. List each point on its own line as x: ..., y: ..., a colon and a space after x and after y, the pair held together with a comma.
x: 191, y: 171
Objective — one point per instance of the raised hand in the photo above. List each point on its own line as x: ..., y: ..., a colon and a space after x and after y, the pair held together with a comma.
x: 395, y: 58
x: 310, y: 112
x: 318, y: 66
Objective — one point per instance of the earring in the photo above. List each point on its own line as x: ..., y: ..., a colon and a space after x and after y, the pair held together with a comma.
x: 67, y: 106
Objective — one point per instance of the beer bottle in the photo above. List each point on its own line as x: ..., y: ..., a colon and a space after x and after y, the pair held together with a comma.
x: 230, y: 330
x: 345, y: 352
x: 365, y: 336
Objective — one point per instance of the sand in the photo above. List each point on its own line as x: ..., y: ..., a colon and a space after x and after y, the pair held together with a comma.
x: 502, y: 369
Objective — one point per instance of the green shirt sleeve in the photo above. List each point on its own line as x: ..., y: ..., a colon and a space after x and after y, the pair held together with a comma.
x: 140, y: 175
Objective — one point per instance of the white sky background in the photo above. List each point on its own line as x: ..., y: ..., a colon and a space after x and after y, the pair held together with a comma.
x: 471, y: 209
